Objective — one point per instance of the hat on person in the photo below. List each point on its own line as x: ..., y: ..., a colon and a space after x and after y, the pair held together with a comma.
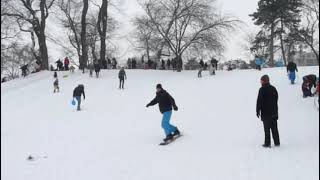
x: 265, y: 79
x: 159, y: 86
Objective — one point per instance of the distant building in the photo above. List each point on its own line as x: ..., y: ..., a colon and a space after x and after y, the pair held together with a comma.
x: 305, y: 59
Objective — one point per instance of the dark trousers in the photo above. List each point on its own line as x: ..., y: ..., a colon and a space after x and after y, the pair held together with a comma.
x: 271, y: 125
x: 200, y: 74
x: 121, y: 85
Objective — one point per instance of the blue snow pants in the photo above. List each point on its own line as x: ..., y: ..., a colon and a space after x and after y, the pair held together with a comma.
x: 168, y: 128
x: 78, y: 98
x: 292, y: 77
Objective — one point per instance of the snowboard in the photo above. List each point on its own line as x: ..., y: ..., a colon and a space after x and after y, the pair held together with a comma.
x: 171, y: 141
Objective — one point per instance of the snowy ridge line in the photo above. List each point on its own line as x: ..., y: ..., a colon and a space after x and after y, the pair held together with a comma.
x: 24, y: 82
x: 32, y: 79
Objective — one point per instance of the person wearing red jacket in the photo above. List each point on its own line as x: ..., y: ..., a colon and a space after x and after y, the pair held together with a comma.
x: 66, y: 64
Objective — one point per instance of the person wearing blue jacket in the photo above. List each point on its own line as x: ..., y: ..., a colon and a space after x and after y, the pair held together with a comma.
x: 258, y: 63
x: 166, y: 103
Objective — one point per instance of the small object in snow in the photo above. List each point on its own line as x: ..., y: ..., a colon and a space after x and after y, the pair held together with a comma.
x: 30, y: 158
x: 170, y: 141
x: 73, y: 102
x: 65, y: 76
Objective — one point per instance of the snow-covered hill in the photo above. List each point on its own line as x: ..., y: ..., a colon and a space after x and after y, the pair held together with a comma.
x: 116, y: 138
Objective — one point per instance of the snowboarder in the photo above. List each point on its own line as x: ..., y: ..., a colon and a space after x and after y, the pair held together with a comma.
x: 292, y: 69
x: 66, y: 64
x: 166, y: 102
x: 56, y: 86
x: 55, y: 75
x: 77, y: 93
x: 122, y: 77
x: 97, y: 69
x: 267, y: 109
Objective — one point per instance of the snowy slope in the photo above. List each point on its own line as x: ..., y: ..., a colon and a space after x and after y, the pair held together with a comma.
x: 116, y: 138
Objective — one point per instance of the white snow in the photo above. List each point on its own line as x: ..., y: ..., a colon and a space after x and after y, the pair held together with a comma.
x: 116, y: 138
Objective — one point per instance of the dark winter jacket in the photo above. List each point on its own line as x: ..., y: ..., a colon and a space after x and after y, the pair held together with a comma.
x: 311, y: 79
x: 97, y: 67
x: 122, y: 74
x: 78, y: 91
x: 201, y: 63
x: 56, y: 82
x: 292, y: 67
x: 165, y: 101
x: 267, y: 103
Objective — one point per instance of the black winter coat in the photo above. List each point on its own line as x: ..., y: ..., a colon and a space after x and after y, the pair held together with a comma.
x: 267, y: 103
x: 165, y: 101
x: 292, y: 67
x: 312, y: 79
x: 97, y: 67
x: 78, y: 91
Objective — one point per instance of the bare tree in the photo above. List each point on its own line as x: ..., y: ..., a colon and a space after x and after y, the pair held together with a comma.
x: 309, y: 33
x: 185, y: 23
x: 148, y: 38
x: 71, y: 20
x: 33, y: 13
x: 102, y: 27
x: 84, y: 45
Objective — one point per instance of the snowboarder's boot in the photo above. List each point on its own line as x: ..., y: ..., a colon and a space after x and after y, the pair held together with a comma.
x: 168, y: 138
x: 277, y: 145
x: 176, y: 133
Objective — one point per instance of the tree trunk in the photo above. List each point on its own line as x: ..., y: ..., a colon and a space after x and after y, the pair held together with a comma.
x: 315, y: 53
x: 282, y: 45
x: 43, y: 52
x: 148, y: 50
x: 272, y: 45
x: 84, y: 45
x: 103, y: 18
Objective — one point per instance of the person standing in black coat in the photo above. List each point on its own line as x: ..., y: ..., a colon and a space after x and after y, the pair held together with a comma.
x: 77, y: 93
x: 168, y: 64
x: 122, y: 76
x: 166, y: 102
x: 201, y: 63
x: 267, y: 109
x: 97, y: 69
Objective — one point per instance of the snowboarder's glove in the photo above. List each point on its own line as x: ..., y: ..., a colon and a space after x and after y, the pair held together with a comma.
x: 258, y: 114
x: 175, y: 108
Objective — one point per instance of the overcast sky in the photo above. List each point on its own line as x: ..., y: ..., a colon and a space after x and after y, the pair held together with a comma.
x: 127, y: 9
